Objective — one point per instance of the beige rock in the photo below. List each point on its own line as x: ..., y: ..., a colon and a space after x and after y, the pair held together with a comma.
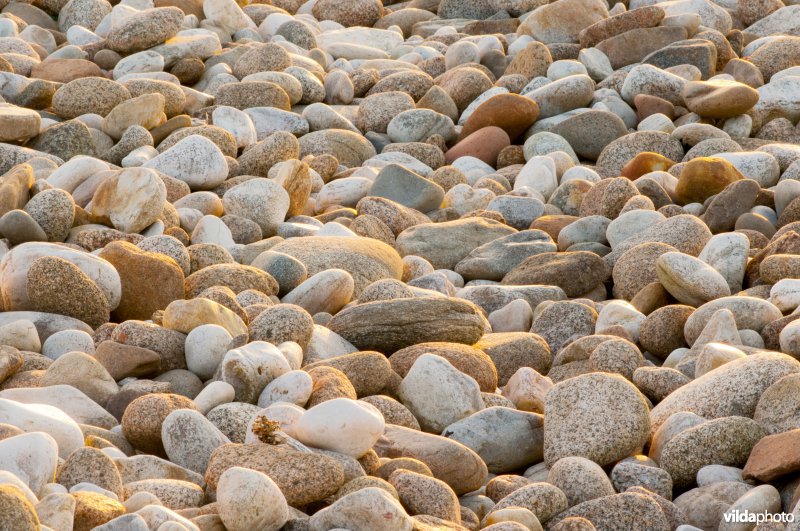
x: 186, y: 315
x: 146, y: 110
x: 130, y: 200
x: 18, y: 123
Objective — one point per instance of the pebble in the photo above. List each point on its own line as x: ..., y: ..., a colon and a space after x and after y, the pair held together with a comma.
x: 239, y: 488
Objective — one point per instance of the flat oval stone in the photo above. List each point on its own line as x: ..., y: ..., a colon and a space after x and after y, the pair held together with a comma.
x: 590, y: 131
x: 511, y: 112
x: 719, y: 99
x: 484, y: 144
x: 387, y: 326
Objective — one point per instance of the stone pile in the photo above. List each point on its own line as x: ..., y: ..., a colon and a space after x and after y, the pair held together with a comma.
x: 434, y: 265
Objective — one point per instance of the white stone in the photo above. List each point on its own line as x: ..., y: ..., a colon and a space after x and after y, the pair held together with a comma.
x: 620, y: 313
x: 516, y: 316
x: 648, y: 79
x: 195, y: 160
x: 785, y: 294
x: 113, y: 452
x: 226, y: 15
x: 728, y: 253
x: 689, y: 279
x: 293, y: 387
x: 438, y: 394
x: 713, y: 355
x: 369, y: 509
x: 327, y: 291
x: 7, y: 478
x: 15, y: 265
x: 630, y: 224
x: 759, y: 166
x: 189, y: 218
x: 581, y: 173
x: 711, y: 14
x: 44, y: 418
x: 248, y: 499
x: 66, y: 398
x: 210, y: 229
x: 563, y: 68
x: 134, y: 522
x: 539, y: 173
x: 205, y: 347
x: 777, y: 99
x: 52, y: 488
x: 85, y: 486
x: 237, y: 123
x: 293, y: 353
x: 32, y: 457
x: 383, y: 39
x: 269, y: 26
x: 464, y: 198
x: 213, y: 395
x: 80, y: 36
x: 763, y: 499
x: 325, y: 344
x: 249, y: 368
x: 139, y: 157
x: 711, y: 474
x: 721, y: 328
x: 146, y: 61
x: 132, y: 199
x: 267, y: 120
x: 57, y: 511
x: 333, y: 228
x: 342, y: 425
x: 345, y: 192
x: 740, y: 126
x: 21, y: 335
x: 785, y: 192
x: 67, y: 341
x: 656, y: 122
x: 156, y: 516
x: 596, y: 62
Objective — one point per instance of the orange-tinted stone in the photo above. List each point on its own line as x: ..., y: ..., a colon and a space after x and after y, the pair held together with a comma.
x: 510, y: 112
x: 644, y: 163
x: 647, y: 105
x: 774, y: 456
x: 703, y: 177
x: 65, y: 70
x: 484, y: 144
x: 552, y: 225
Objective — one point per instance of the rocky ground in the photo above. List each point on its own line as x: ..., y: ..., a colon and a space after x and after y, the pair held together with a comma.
x: 434, y: 265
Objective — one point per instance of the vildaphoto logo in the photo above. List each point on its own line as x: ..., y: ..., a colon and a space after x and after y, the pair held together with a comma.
x: 746, y: 517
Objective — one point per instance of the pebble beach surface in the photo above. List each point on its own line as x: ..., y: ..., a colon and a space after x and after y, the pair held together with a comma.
x: 437, y: 265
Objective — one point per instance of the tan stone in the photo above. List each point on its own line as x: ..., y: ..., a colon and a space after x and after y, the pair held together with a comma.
x: 150, y: 281
x: 147, y: 110
x: 15, y: 188
x: 703, y: 177
x: 65, y: 70
x: 184, y: 316
x: 18, y: 123
x: 719, y: 98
